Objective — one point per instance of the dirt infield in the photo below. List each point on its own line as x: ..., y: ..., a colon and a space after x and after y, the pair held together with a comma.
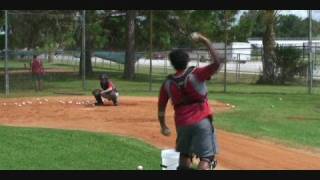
x: 136, y: 117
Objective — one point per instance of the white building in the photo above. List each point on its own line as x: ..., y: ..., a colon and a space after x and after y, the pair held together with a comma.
x: 257, y: 42
x: 236, y: 51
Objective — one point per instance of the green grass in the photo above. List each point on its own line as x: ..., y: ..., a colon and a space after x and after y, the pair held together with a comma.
x: 48, y: 149
x: 294, y: 120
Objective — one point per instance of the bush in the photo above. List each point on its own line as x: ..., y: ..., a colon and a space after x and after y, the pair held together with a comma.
x: 288, y: 63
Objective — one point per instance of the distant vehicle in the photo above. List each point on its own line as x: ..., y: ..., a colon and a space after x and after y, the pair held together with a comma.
x: 159, y: 56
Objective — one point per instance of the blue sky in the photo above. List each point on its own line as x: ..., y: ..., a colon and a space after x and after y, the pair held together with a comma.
x: 302, y: 13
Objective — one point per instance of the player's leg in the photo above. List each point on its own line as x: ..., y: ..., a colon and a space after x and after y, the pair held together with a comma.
x: 205, y: 144
x: 36, y: 85
x: 35, y: 82
x: 97, y: 95
x: 115, y: 97
x: 183, y: 145
x: 40, y: 82
x: 112, y: 96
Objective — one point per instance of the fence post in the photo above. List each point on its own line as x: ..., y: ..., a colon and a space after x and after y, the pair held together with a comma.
x: 237, y: 67
x: 166, y: 61
x: 6, y: 55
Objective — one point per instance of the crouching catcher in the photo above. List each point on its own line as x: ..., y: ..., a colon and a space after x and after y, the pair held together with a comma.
x: 108, y: 91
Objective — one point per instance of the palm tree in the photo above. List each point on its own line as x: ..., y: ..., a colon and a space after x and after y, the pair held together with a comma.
x: 269, y: 76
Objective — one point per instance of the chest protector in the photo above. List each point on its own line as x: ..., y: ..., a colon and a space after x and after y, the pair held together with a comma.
x: 104, y: 85
x: 181, y: 83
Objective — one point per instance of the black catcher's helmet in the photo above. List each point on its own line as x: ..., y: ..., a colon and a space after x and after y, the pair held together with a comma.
x: 103, y: 77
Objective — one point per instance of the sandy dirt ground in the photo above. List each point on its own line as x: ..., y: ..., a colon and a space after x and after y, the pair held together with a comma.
x: 137, y: 117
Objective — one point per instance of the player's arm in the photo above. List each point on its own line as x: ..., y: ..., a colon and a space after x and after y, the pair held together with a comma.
x: 162, y: 104
x: 106, y: 91
x: 206, y: 72
x: 110, y: 87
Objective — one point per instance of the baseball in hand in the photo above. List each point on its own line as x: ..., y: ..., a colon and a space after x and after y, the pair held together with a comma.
x: 166, y: 131
x: 195, y: 36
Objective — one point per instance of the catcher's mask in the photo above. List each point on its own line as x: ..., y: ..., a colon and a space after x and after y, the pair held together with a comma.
x: 104, y: 78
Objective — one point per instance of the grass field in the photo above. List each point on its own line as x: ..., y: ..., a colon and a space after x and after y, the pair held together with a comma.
x: 47, y: 149
x: 291, y: 119
x: 285, y: 114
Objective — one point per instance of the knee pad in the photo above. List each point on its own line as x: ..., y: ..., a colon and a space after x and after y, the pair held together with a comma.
x: 211, y: 160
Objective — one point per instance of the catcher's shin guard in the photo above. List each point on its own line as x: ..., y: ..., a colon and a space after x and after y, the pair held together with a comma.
x: 115, y: 98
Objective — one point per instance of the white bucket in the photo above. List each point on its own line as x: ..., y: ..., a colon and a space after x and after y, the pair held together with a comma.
x: 170, y: 159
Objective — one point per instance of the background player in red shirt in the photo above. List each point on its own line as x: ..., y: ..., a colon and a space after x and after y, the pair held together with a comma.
x: 192, y: 112
x: 37, y: 72
x: 109, y: 91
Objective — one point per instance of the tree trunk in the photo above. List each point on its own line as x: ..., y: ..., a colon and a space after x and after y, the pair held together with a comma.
x: 50, y: 56
x: 88, y: 63
x: 269, y: 50
x: 129, y: 68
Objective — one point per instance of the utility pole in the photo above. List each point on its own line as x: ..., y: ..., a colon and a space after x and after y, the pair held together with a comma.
x: 150, y: 68
x: 225, y: 51
x: 84, y: 49
x: 310, y: 54
x: 6, y: 54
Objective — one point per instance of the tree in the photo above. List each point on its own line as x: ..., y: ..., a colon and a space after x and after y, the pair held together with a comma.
x: 38, y: 28
x: 244, y: 29
x: 268, y: 62
x: 95, y: 37
x: 290, y: 26
x: 288, y: 63
x: 114, y: 29
x: 129, y: 68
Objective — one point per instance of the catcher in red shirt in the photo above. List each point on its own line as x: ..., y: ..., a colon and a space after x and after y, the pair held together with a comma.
x: 109, y: 91
x: 193, y: 115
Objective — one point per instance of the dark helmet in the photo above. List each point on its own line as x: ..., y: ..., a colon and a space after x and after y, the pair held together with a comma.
x: 104, y: 77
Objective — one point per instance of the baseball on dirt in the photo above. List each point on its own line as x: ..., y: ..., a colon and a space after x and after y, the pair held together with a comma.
x: 195, y: 36
x: 139, y: 167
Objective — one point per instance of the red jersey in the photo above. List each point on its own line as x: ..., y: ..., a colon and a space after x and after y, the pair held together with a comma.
x: 196, y: 91
x: 37, y: 67
x: 108, y: 85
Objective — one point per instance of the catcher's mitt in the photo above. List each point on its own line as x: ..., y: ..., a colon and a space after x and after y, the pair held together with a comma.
x: 96, y: 92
